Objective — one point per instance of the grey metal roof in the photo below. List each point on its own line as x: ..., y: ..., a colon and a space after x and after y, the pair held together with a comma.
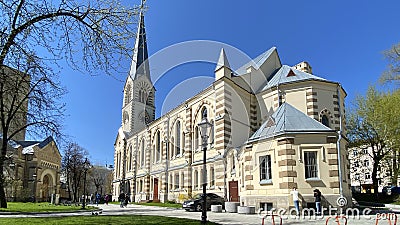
x: 257, y: 62
x: 287, y: 119
x: 281, y: 77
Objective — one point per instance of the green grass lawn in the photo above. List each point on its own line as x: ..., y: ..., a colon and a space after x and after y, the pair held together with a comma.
x: 39, y: 207
x: 136, y: 219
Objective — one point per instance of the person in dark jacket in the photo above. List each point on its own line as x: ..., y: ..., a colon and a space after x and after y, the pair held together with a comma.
x: 121, y: 199
x: 127, y: 200
x: 317, y: 195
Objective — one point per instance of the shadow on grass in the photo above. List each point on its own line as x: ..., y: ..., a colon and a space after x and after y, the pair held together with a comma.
x: 123, y: 219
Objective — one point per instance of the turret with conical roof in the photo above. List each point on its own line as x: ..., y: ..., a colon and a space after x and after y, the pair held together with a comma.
x: 223, y: 68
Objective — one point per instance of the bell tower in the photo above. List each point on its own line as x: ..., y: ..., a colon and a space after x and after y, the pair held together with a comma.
x: 138, y: 107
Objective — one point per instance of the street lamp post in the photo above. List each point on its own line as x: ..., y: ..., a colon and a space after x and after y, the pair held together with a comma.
x: 34, y: 187
x: 205, y: 127
x: 86, y: 165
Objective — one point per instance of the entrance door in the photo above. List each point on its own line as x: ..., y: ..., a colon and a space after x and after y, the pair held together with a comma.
x: 155, y: 189
x: 233, y: 191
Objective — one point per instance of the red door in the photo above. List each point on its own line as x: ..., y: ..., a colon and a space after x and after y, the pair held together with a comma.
x: 233, y: 191
x: 155, y: 190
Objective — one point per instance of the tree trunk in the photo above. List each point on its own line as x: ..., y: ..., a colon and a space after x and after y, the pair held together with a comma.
x: 374, y: 178
x: 3, y: 200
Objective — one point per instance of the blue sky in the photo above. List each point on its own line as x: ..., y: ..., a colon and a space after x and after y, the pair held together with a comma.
x: 342, y: 40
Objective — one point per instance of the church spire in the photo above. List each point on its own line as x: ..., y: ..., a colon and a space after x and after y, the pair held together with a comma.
x: 223, y: 68
x: 140, y: 64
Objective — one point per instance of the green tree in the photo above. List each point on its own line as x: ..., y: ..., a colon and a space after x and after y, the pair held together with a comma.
x: 90, y: 35
x: 374, y: 123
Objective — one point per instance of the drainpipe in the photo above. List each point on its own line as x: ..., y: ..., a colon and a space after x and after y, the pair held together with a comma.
x: 338, y: 142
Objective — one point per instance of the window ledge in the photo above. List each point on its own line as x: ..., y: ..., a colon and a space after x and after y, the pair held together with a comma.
x: 314, y: 179
x: 269, y: 181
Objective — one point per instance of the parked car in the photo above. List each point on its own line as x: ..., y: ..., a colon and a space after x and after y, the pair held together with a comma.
x: 389, y: 190
x: 196, y: 203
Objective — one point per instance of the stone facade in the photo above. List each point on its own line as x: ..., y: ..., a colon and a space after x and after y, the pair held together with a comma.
x: 164, y: 160
x: 34, y: 171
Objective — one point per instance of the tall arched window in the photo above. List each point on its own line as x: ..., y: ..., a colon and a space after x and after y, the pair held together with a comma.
x: 211, y: 138
x: 130, y: 157
x: 142, y: 154
x: 172, y: 148
x: 178, y: 138
x: 325, y: 120
x: 196, y: 138
x: 204, y: 113
x: 212, y: 177
x: 196, y: 179
x: 158, y: 146
x: 128, y: 96
x: 182, y: 180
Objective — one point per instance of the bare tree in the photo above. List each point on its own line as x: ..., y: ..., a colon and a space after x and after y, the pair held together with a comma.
x: 91, y: 35
x: 98, y: 177
x: 73, y: 163
x: 392, y: 74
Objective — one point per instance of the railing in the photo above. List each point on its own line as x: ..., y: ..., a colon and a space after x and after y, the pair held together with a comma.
x: 337, y: 219
x: 386, y: 216
x: 272, y: 219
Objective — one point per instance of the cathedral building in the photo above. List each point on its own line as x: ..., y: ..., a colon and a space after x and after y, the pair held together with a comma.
x: 275, y: 127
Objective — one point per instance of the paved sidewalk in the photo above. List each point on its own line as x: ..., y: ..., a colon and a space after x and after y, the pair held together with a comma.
x: 222, y: 218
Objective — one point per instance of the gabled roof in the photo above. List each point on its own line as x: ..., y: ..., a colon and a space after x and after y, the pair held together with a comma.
x: 257, y: 62
x: 287, y: 74
x: 27, y: 146
x: 287, y: 119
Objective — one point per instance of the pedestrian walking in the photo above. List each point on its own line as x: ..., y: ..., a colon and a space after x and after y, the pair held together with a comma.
x: 295, y: 195
x: 121, y: 199
x: 317, y: 195
x: 98, y: 196
x: 127, y: 200
x: 106, y: 199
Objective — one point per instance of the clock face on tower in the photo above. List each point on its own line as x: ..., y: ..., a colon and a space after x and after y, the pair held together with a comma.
x: 144, y: 117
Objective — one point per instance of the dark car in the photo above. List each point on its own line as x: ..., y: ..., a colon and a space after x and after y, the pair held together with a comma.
x: 196, y: 203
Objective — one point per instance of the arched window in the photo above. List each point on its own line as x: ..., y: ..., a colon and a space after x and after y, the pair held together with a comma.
x: 196, y: 138
x: 128, y: 94
x: 183, y: 144
x: 182, y: 180
x: 130, y: 157
x: 211, y: 138
x: 178, y: 138
x: 171, y: 148
x: 212, y: 177
x: 204, y: 113
x: 196, y: 179
x: 158, y: 146
x: 142, y: 154
x: 325, y: 120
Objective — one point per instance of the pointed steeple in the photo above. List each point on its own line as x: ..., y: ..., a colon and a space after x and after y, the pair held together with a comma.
x: 140, y: 64
x: 223, y: 69
x: 222, y: 61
